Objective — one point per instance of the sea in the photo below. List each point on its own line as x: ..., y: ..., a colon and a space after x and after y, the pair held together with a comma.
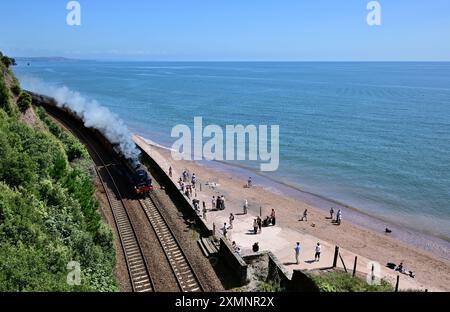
x: 372, y: 138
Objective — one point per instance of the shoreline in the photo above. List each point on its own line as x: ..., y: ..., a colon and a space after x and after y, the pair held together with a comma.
x: 426, y: 242
x: 353, y: 239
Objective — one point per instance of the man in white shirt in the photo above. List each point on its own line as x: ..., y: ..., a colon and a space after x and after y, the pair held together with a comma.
x: 318, y: 250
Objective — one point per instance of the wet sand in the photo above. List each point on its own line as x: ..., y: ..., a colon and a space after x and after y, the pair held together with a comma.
x: 432, y: 272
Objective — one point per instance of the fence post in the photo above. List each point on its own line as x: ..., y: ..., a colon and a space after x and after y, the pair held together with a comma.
x: 397, y: 284
x: 336, y: 254
x: 354, y: 266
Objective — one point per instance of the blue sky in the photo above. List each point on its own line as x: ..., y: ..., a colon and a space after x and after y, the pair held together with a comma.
x: 323, y: 30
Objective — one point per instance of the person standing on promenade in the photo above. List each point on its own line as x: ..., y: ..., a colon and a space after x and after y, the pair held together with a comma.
x: 193, y: 180
x: 218, y: 204
x: 297, y: 252
x: 245, y: 207
x: 305, y: 216
x: 224, y: 230
x: 222, y: 202
x: 331, y: 213
x: 170, y: 172
x: 272, y: 217
x: 317, y: 254
x: 255, y: 226
x: 231, y: 220
x: 204, y: 211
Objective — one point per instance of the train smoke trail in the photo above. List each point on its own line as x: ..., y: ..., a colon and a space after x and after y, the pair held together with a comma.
x: 91, y: 112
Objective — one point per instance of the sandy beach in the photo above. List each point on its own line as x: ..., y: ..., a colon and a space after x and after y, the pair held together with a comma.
x: 432, y: 273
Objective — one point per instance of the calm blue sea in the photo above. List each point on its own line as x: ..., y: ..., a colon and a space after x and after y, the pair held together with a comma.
x: 375, y: 136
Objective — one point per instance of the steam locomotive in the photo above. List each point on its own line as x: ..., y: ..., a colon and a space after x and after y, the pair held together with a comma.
x: 136, y: 174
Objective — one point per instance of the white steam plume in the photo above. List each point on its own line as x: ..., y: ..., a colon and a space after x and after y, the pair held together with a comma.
x: 91, y: 112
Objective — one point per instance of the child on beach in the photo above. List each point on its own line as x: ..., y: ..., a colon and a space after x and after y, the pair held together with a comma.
x: 245, y: 207
x: 331, y: 213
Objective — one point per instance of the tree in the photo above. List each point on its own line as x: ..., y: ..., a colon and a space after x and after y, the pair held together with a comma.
x: 6, y: 61
x: 24, y: 101
x: 16, y: 89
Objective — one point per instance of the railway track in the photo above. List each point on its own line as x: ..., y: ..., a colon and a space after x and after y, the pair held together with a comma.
x: 182, y: 269
x: 137, y: 266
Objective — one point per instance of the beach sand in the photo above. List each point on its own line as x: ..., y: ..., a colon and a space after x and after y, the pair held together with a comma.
x: 371, y: 247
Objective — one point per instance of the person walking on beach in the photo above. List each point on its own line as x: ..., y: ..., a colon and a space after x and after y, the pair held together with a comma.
x: 231, y: 220
x: 213, y: 203
x: 249, y: 182
x: 297, y: 252
x: 259, y: 222
x: 305, y: 216
x: 272, y: 217
x: 170, y: 172
x: 331, y: 213
x: 255, y: 227
x: 317, y: 254
x: 245, y: 207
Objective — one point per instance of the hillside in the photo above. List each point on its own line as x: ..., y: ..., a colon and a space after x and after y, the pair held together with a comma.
x: 48, y: 211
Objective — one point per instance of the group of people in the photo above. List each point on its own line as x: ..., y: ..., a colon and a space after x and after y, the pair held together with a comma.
x: 186, y: 189
x: 270, y: 220
x: 218, y: 203
x: 317, y: 252
x: 338, y: 219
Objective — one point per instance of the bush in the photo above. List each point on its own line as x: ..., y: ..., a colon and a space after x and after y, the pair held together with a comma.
x: 16, y: 89
x: 24, y: 101
x: 344, y: 282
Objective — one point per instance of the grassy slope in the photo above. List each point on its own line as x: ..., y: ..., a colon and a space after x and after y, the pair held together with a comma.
x: 48, y: 212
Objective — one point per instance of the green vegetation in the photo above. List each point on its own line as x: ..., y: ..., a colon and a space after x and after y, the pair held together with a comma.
x: 344, y: 282
x: 16, y: 89
x: 269, y: 287
x: 7, y: 61
x: 24, y: 101
x: 48, y: 212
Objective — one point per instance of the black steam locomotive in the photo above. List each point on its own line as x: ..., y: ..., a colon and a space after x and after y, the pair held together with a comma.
x: 136, y: 174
